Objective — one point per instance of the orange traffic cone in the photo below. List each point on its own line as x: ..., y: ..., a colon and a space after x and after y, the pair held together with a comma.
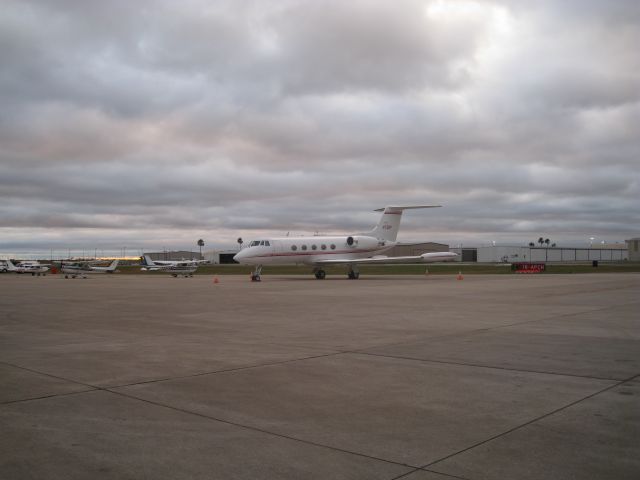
x: 215, y: 280
x: 460, y: 277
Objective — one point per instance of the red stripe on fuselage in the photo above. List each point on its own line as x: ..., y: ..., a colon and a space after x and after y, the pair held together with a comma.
x: 322, y: 252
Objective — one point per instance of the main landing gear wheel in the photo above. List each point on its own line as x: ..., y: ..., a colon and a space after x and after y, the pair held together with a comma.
x: 320, y: 274
x: 353, y: 275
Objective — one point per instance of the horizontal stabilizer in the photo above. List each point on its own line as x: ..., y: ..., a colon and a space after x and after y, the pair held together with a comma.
x: 399, y: 209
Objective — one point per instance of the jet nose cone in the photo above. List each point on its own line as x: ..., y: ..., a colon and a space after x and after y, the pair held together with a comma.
x: 237, y: 257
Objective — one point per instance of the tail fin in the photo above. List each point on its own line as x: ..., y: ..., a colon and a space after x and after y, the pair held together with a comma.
x: 389, y: 224
x: 10, y: 266
x: 113, y: 266
x: 146, y: 260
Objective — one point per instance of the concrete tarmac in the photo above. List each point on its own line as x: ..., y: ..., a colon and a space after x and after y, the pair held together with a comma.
x: 413, y: 377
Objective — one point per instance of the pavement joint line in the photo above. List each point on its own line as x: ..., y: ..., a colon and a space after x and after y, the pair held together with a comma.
x: 200, y: 374
x: 478, y: 365
x: 484, y: 329
x: 260, y: 430
x: 214, y: 372
x: 43, y: 397
x: 541, y: 417
x: 444, y: 474
x: 596, y: 290
x: 404, y: 475
x: 94, y: 387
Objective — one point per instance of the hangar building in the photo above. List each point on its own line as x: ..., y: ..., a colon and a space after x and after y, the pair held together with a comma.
x: 512, y: 254
x: 633, y: 249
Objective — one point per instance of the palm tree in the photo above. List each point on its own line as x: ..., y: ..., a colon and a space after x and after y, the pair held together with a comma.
x: 546, y: 252
x: 553, y: 245
x: 531, y: 244
x: 201, y: 244
x: 541, y: 241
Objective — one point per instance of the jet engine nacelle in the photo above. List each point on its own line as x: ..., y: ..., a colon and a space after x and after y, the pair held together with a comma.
x: 361, y: 242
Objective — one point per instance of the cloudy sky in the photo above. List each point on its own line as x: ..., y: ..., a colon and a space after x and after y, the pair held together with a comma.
x: 152, y: 124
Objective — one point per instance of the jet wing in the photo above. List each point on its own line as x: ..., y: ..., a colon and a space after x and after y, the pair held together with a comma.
x: 384, y: 260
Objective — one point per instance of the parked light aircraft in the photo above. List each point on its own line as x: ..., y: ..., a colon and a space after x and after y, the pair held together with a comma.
x: 82, y: 269
x: 184, y: 268
x: 146, y: 261
x: 349, y: 250
x: 32, y: 267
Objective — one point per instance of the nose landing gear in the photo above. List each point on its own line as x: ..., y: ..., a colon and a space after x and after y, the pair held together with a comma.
x: 255, y: 275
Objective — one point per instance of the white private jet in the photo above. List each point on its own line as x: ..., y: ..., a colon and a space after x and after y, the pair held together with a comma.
x: 184, y: 268
x: 82, y: 269
x: 349, y: 250
x: 32, y: 267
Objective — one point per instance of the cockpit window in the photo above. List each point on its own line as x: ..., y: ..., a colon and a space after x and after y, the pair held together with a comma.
x: 255, y: 243
x: 266, y: 243
x: 261, y: 242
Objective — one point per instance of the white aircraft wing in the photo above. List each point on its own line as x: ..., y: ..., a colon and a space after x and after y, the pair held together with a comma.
x: 384, y: 260
x: 169, y: 268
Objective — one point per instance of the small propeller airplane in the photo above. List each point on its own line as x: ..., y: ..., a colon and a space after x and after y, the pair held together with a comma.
x: 32, y: 267
x: 82, y: 269
x: 184, y: 268
x: 349, y: 250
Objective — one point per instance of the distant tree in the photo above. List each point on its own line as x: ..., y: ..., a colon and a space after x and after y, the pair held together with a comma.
x: 540, y: 241
x: 553, y: 245
x: 200, y: 244
x: 531, y: 244
x: 547, y: 241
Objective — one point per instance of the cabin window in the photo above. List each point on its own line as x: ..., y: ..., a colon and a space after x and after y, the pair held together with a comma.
x: 294, y: 248
x: 333, y: 247
x: 323, y: 246
x: 313, y: 247
x: 266, y: 243
x: 304, y: 247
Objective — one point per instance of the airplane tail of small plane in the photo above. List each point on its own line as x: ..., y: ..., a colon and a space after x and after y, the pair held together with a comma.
x: 389, y: 224
x: 113, y: 266
x: 146, y: 260
x: 10, y: 266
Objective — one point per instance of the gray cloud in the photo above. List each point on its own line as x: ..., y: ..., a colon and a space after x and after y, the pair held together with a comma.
x: 155, y: 123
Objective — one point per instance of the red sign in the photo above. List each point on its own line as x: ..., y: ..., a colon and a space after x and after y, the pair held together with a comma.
x: 528, y: 267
